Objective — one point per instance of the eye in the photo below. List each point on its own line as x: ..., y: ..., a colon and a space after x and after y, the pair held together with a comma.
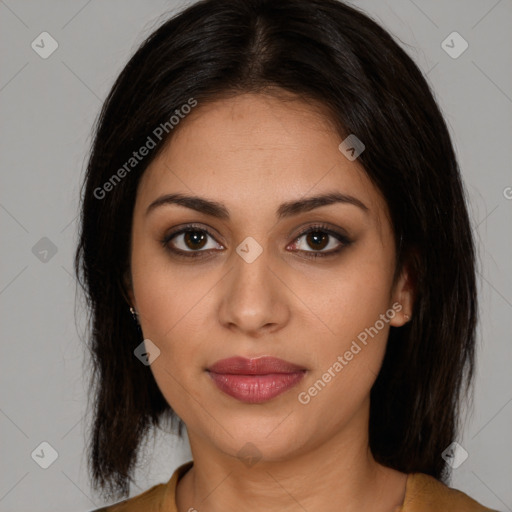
x: 191, y: 240
x: 319, y: 238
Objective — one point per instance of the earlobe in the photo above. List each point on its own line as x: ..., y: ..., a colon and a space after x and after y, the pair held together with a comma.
x: 404, y: 295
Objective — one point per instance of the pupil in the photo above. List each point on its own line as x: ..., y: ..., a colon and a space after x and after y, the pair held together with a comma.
x: 196, y: 237
x: 317, y: 237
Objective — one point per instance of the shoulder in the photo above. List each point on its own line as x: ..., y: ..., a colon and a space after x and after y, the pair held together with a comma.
x: 159, y: 497
x: 425, y: 494
x: 147, y: 501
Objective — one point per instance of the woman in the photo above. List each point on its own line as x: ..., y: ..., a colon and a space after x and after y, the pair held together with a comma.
x: 273, y: 195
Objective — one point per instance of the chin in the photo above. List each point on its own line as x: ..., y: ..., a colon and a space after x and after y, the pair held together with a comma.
x: 272, y: 438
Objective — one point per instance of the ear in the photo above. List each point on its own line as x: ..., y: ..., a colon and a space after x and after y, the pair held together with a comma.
x: 403, y: 293
x: 127, y: 289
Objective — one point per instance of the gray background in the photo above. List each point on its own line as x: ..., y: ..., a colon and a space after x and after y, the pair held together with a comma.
x: 47, y: 108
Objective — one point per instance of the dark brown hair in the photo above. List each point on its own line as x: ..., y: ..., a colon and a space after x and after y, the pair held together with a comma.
x: 328, y: 53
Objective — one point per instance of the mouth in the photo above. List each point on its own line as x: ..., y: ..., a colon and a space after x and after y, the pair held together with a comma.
x: 255, y: 380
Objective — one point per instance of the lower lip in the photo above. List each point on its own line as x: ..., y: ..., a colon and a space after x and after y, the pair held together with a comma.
x: 255, y: 389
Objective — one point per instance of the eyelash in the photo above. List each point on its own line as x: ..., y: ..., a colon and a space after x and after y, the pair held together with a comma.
x: 310, y: 229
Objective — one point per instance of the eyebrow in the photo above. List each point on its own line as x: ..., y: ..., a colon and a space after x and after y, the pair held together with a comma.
x: 288, y: 209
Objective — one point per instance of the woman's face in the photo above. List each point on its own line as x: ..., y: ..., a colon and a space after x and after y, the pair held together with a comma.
x: 243, y: 281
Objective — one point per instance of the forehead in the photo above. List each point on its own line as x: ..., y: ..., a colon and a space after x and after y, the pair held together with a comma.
x: 257, y: 151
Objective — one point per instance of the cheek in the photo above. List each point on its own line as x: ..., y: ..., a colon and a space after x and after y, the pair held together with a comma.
x: 172, y: 304
x: 347, y: 299
x: 346, y: 363
x: 347, y: 335
x: 166, y: 293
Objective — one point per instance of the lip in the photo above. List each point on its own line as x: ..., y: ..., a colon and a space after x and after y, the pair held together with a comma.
x: 255, y: 380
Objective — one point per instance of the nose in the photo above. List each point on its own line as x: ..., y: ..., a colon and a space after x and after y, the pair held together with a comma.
x: 254, y: 300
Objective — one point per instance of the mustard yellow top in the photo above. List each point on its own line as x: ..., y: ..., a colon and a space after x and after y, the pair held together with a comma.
x: 423, y: 493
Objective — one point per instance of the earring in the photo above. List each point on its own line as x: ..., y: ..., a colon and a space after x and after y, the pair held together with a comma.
x: 134, y: 314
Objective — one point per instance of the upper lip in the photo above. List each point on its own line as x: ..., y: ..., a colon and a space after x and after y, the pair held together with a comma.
x: 256, y: 366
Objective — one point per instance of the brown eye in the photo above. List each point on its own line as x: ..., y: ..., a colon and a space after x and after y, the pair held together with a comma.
x: 317, y: 239
x: 190, y: 242
x: 194, y: 239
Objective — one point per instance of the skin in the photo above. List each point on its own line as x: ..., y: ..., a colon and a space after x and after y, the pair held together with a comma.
x: 252, y: 153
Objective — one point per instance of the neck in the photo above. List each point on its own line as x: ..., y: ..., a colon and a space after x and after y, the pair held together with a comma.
x: 339, y: 474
